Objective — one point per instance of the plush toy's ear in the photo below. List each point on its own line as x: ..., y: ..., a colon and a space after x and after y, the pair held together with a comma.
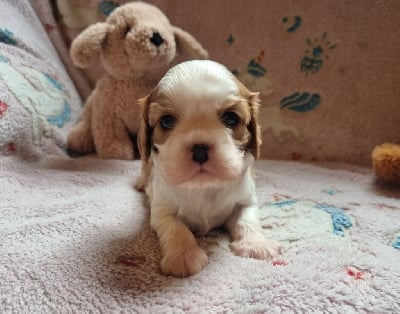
x: 186, y: 43
x: 88, y: 43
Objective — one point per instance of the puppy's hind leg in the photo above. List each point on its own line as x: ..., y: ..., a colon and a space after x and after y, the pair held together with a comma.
x: 181, y: 255
x: 248, y: 239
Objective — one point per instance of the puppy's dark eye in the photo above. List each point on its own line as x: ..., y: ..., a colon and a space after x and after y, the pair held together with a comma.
x: 230, y: 119
x: 167, y: 121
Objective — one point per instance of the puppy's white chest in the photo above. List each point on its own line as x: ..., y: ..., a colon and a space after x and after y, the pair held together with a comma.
x: 205, y: 210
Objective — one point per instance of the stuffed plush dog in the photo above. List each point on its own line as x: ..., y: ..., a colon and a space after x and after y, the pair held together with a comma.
x: 136, y: 44
x: 198, y: 140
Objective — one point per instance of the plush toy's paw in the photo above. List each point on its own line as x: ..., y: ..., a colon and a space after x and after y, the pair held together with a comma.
x: 256, y: 246
x: 140, y: 184
x: 386, y: 162
x: 80, y: 140
x: 184, y: 263
x: 116, y: 151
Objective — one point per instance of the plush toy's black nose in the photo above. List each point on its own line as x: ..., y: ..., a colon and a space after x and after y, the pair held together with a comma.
x: 156, y: 39
x: 200, y: 153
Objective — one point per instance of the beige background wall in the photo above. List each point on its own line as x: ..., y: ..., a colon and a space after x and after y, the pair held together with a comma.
x: 328, y: 71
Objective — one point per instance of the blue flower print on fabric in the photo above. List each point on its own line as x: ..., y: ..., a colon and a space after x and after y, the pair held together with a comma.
x: 106, y: 7
x: 256, y: 69
x: 301, y: 102
x: 230, y: 40
x: 7, y: 37
x: 340, y: 220
x: 3, y: 59
x: 330, y: 191
x: 253, y: 68
x: 283, y: 203
x: 54, y: 82
x: 396, y: 242
x: 295, y: 24
x: 315, y: 56
x: 64, y: 117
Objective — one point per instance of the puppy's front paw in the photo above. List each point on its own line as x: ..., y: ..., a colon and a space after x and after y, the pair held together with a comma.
x: 256, y: 246
x: 184, y: 263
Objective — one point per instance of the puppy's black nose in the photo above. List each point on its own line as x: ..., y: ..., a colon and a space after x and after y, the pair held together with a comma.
x: 156, y: 39
x: 200, y: 153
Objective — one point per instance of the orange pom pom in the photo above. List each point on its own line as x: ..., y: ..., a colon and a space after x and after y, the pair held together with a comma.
x: 386, y: 162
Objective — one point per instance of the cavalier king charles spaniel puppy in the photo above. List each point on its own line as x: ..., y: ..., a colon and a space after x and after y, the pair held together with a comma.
x: 198, y: 140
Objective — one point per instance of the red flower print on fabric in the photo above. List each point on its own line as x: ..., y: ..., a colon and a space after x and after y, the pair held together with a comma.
x: 3, y: 108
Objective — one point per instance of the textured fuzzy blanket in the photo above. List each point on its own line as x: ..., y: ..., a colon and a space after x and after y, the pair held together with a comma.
x: 74, y: 234
x: 75, y: 237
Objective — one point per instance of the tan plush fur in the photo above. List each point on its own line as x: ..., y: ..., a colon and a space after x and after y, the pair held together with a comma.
x: 136, y: 44
x: 386, y: 162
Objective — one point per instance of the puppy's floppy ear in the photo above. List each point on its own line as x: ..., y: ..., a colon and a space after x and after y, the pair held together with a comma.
x: 144, y: 134
x: 186, y: 43
x: 254, y: 127
x: 144, y: 142
x: 253, y: 101
x: 87, y: 43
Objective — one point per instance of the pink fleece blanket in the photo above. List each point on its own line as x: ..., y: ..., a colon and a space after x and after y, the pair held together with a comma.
x: 75, y: 237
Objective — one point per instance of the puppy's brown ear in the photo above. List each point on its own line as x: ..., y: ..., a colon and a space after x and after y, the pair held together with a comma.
x: 254, y: 127
x: 253, y: 101
x: 144, y: 134
x: 144, y: 142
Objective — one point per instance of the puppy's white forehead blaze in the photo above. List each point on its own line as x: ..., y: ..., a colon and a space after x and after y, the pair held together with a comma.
x: 198, y: 84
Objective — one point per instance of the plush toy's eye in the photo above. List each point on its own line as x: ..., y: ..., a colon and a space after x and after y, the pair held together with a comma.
x: 230, y: 119
x: 167, y: 121
x: 127, y: 30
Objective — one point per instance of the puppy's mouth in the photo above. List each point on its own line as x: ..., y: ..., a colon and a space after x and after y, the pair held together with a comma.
x: 204, y: 176
x: 195, y: 173
x: 203, y: 173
